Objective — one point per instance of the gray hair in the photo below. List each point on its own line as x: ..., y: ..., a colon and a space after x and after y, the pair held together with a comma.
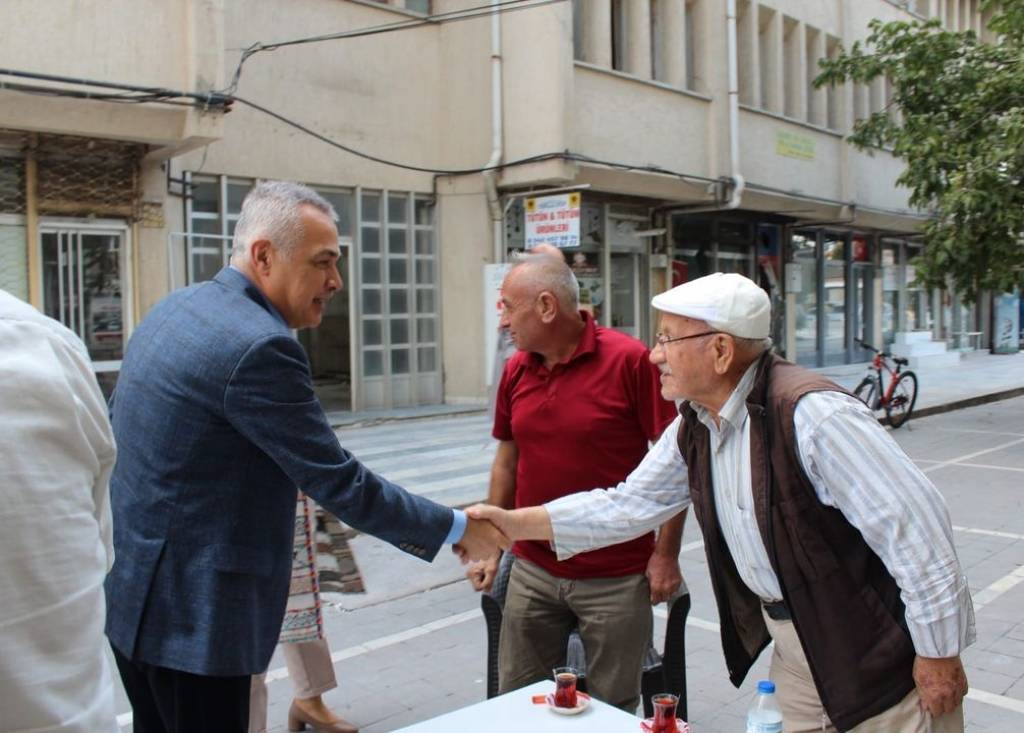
x: 753, y: 348
x: 544, y: 272
x: 271, y: 210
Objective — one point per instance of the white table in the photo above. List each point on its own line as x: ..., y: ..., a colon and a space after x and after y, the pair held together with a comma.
x: 514, y: 712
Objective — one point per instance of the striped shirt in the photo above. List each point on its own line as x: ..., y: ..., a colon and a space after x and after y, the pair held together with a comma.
x: 854, y: 466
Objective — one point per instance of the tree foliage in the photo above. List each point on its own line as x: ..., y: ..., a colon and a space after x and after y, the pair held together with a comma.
x: 956, y: 120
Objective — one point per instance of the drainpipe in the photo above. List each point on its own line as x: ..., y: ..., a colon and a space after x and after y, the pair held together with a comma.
x: 497, y: 137
x: 738, y: 184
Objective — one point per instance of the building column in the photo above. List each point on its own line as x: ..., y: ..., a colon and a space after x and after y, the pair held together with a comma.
x: 749, y: 54
x: 638, y: 37
x: 797, y: 57
x: 771, y: 72
x: 597, y: 32
x: 817, y: 99
x: 672, y: 21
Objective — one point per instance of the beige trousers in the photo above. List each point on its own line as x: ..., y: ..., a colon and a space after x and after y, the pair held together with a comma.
x: 802, y: 711
x: 312, y: 672
x: 614, y: 618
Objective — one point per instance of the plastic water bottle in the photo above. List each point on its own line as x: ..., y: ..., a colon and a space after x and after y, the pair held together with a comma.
x: 764, y: 715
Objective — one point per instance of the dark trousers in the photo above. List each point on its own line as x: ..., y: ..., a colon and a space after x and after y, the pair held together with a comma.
x: 169, y: 701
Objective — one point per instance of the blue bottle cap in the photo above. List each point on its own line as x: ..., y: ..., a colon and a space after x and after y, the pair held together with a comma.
x: 766, y: 686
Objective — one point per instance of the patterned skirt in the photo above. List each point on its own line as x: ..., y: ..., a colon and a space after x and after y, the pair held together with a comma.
x: 303, y: 619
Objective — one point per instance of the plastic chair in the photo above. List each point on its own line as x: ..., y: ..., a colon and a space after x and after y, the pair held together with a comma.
x: 665, y: 672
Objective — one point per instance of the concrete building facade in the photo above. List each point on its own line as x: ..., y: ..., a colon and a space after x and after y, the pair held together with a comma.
x: 689, y: 128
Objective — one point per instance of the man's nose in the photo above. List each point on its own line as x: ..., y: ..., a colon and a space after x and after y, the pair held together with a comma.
x: 656, y: 356
x: 335, y: 282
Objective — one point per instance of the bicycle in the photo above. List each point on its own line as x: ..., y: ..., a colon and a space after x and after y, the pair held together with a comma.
x: 898, y: 399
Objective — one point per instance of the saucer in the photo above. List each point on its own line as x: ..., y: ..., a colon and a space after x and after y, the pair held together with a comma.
x: 648, y: 725
x: 582, y: 701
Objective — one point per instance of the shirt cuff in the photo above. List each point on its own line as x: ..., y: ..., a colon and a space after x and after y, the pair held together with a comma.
x: 947, y: 635
x: 458, y: 527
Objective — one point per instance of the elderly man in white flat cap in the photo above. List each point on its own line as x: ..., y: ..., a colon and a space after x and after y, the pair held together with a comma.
x: 821, y: 534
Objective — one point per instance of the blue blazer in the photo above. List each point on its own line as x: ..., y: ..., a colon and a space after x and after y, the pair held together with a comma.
x: 216, y: 425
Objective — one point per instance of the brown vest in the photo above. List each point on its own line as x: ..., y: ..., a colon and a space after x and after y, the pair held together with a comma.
x: 845, y: 605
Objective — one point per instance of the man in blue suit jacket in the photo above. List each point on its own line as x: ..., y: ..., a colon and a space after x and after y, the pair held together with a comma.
x: 217, y: 425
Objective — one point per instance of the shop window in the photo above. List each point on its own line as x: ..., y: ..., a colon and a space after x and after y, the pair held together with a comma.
x: 803, y: 255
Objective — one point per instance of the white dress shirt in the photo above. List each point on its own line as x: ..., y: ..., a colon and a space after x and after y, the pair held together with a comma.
x: 854, y: 466
x: 56, y: 454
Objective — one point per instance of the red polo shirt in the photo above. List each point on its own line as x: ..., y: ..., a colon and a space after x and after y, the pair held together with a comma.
x: 585, y: 424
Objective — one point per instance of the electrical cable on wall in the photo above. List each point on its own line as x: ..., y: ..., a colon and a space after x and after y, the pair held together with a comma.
x: 479, y: 11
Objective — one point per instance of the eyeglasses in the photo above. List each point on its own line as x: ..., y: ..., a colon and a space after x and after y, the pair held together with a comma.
x: 662, y: 339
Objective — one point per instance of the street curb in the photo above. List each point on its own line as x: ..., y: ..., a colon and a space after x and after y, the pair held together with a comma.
x: 983, y: 399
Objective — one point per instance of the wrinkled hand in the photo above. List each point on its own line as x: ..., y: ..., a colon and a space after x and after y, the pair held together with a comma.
x: 480, y: 541
x: 481, y: 574
x: 663, y: 576
x: 941, y: 683
x: 500, y: 518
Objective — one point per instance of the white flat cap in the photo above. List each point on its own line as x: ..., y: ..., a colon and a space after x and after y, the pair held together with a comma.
x: 725, y: 301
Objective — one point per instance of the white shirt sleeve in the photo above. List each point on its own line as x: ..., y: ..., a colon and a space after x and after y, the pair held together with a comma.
x: 653, y: 493
x: 93, y: 421
x: 858, y: 468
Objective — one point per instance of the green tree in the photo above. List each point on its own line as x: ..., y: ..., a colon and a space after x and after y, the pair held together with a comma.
x: 956, y: 120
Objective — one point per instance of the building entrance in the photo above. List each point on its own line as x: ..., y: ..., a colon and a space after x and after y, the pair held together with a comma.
x: 84, y: 287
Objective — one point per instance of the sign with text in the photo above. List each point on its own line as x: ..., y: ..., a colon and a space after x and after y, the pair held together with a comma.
x: 794, y: 145
x: 553, y: 220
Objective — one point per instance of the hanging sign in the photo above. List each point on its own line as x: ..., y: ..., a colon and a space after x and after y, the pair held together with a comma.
x: 553, y: 220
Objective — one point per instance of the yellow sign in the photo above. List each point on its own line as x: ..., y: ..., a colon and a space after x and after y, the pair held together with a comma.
x: 794, y: 145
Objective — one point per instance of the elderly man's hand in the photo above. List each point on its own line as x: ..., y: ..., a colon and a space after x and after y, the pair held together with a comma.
x: 480, y: 541
x: 941, y: 683
x: 663, y: 576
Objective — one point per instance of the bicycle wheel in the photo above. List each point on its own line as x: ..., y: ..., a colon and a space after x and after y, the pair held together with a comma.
x: 901, y: 404
x: 867, y: 392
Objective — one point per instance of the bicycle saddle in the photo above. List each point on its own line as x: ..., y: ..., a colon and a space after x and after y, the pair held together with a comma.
x: 901, y: 362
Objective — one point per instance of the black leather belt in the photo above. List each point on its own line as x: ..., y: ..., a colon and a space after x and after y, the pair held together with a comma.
x: 777, y: 611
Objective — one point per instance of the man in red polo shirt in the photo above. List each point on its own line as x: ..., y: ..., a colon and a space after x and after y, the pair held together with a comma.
x: 576, y: 408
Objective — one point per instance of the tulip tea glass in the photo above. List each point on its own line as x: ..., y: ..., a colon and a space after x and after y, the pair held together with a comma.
x: 664, y: 713
x: 565, y: 687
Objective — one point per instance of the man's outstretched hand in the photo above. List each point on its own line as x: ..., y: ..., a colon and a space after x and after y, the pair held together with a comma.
x: 481, y: 541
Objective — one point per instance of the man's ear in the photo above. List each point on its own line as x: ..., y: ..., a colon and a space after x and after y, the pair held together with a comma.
x: 547, y: 306
x: 725, y: 353
x: 261, y: 255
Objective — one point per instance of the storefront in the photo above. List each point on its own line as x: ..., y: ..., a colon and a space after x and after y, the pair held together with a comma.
x: 612, y: 262
x: 71, y: 252
x: 748, y: 244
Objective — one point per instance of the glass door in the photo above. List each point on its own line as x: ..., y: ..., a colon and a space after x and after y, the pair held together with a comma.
x: 625, y: 289
x: 804, y: 256
x: 833, y: 248
x: 83, y: 288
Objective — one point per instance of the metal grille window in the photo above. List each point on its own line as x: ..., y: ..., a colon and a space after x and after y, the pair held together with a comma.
x: 396, y: 325
x: 212, y: 211
x: 398, y: 299
x: 12, y: 185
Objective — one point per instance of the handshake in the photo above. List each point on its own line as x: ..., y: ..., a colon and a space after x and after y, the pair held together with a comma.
x: 490, y: 529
